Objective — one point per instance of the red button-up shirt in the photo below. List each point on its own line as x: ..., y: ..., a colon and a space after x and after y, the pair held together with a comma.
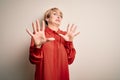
x: 52, y: 59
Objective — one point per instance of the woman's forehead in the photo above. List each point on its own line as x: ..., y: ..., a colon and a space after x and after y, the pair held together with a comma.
x: 56, y: 11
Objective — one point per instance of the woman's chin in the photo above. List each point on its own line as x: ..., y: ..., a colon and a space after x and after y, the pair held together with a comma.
x: 58, y: 24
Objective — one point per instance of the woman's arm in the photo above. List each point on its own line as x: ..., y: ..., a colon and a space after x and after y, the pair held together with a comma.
x: 35, y: 54
x: 70, y: 51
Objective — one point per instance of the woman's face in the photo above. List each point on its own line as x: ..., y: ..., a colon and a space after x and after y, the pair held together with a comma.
x: 55, y: 18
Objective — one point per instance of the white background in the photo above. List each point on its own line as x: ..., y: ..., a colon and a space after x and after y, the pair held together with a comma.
x: 97, y: 46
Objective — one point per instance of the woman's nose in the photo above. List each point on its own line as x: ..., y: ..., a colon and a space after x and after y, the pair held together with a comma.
x: 58, y: 16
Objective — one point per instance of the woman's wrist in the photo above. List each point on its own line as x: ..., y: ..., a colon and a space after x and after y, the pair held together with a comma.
x: 38, y: 46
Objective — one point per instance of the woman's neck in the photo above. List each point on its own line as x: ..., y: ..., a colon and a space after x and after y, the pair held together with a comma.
x: 53, y: 27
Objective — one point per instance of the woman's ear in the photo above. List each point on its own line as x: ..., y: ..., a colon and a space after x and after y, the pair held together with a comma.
x: 47, y: 19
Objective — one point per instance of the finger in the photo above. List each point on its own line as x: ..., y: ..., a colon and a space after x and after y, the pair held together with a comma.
x: 71, y: 28
x: 74, y: 29
x: 29, y: 32
x: 34, y: 27
x: 38, y: 25
x: 43, y: 25
x: 77, y: 34
x: 68, y: 28
x: 50, y: 39
x: 62, y: 35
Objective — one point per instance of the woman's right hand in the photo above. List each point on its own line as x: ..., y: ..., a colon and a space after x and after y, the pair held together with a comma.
x: 38, y: 34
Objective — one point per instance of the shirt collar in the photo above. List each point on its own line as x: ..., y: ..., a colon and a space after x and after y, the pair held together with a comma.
x: 52, y: 31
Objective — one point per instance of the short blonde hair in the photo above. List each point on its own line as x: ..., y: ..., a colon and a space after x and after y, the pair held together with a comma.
x: 49, y: 12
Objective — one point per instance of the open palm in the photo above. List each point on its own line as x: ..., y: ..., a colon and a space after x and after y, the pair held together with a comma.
x: 70, y: 33
x: 38, y: 34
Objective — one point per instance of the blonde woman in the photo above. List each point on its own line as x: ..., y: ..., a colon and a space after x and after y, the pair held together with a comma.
x: 51, y: 49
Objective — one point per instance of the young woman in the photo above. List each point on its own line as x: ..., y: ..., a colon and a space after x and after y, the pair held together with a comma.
x: 51, y: 49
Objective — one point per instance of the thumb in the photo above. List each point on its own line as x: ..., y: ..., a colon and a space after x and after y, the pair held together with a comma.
x: 62, y: 35
x: 50, y: 39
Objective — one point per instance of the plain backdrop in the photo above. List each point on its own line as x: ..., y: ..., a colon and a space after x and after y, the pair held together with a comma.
x: 97, y: 46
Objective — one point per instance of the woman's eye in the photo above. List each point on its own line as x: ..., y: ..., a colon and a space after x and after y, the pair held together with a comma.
x: 54, y: 14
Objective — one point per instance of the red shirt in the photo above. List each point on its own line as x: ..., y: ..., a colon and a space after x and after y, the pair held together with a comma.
x: 53, y: 57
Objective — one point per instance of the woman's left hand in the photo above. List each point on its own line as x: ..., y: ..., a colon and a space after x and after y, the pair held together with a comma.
x: 70, y: 33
